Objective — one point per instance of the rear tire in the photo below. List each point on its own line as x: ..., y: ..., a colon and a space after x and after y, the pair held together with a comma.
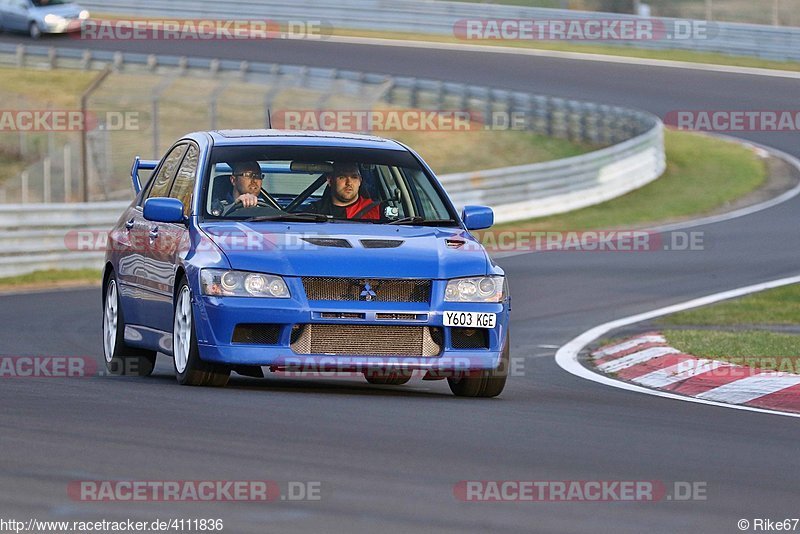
x: 396, y: 378
x: 487, y: 383
x: 190, y: 370
x: 121, y: 360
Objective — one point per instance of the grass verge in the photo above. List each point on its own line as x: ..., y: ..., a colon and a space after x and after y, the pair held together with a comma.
x: 752, y: 348
x: 51, y: 278
x: 744, y: 337
x: 703, y: 174
x: 780, y: 306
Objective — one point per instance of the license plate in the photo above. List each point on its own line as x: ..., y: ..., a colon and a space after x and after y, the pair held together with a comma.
x: 470, y: 319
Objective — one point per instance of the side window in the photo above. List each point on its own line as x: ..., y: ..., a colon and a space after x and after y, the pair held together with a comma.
x: 431, y: 203
x: 163, y: 180
x: 183, y: 187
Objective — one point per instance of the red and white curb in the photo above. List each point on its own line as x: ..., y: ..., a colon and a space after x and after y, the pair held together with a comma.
x: 649, y: 361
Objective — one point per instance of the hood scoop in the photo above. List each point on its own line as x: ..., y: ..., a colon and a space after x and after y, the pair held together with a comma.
x: 381, y: 243
x: 328, y: 242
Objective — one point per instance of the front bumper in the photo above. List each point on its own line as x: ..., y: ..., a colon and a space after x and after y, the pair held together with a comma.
x: 65, y: 26
x: 217, y: 317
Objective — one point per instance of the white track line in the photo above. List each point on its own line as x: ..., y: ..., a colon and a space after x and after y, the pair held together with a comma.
x: 567, y: 356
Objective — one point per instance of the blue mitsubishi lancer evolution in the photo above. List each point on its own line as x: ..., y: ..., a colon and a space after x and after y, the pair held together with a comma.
x: 263, y: 250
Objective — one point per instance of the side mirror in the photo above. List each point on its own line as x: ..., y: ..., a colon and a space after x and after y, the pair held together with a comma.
x: 165, y: 210
x: 477, y: 217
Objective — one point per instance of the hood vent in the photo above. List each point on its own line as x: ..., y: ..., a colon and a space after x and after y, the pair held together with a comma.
x: 328, y: 242
x: 455, y: 243
x: 381, y: 243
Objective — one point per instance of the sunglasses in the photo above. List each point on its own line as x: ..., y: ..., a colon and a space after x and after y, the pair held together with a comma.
x: 250, y: 175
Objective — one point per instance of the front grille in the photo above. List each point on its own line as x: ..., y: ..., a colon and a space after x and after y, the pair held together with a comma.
x: 366, y: 340
x: 398, y: 316
x: 256, y: 334
x: 342, y: 315
x: 469, y: 338
x: 379, y: 290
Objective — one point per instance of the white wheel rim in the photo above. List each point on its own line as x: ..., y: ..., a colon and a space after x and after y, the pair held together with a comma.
x: 182, y: 332
x: 110, y: 317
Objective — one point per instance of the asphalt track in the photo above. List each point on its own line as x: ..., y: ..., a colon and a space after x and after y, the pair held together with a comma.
x: 388, y: 458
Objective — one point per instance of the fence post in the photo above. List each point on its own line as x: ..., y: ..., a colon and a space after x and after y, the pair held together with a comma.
x: 24, y: 192
x: 67, y: 172
x: 156, y: 98
x: 84, y: 149
x: 47, y: 183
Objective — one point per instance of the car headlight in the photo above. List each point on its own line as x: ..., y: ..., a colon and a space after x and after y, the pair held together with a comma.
x: 53, y: 19
x: 83, y: 15
x: 475, y: 289
x: 225, y: 283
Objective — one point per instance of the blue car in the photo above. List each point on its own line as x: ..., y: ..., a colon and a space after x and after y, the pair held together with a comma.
x: 302, y: 252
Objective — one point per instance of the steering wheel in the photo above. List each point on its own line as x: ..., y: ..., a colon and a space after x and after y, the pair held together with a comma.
x: 237, y: 205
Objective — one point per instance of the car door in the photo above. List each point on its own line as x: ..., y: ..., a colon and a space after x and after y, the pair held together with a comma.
x: 138, y: 267
x: 15, y: 14
x: 170, y: 241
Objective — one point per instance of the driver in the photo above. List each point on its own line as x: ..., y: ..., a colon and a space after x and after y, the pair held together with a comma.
x: 246, y: 179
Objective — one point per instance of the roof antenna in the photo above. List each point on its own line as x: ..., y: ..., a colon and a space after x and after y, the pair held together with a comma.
x: 269, y: 118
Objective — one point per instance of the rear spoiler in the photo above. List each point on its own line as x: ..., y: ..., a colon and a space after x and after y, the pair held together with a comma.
x: 141, y: 164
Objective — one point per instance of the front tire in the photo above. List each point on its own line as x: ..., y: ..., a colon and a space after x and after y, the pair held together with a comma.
x: 121, y: 360
x: 35, y: 31
x: 190, y: 370
x: 487, y: 383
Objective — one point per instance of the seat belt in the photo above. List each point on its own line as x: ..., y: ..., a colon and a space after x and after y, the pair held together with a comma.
x: 366, y: 209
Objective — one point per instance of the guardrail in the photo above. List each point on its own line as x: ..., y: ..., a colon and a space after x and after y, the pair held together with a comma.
x: 35, y: 235
x: 425, y: 16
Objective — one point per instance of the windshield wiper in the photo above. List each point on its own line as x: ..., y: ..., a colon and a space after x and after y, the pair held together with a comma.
x: 292, y: 217
x: 416, y: 219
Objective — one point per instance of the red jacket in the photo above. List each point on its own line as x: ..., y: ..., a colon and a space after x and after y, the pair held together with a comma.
x: 360, y: 204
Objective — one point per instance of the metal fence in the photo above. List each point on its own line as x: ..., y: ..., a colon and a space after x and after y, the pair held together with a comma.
x: 36, y: 236
x: 167, y: 97
x: 425, y: 16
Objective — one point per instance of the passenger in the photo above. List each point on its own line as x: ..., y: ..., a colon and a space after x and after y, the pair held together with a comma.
x: 342, y: 199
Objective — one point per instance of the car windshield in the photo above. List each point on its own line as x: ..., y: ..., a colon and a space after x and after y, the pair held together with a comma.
x: 45, y: 3
x: 322, y: 184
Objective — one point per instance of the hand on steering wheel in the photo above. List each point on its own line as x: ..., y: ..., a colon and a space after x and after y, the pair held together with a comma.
x: 239, y: 204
